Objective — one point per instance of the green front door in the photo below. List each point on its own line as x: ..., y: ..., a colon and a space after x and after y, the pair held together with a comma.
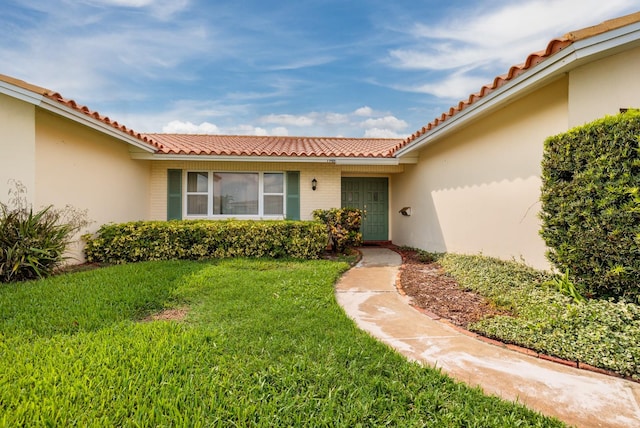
x: 372, y: 196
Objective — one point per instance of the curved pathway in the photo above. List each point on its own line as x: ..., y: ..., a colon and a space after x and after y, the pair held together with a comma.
x: 582, y: 398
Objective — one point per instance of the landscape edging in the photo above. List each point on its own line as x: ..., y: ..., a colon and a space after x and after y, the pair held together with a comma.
x: 494, y: 342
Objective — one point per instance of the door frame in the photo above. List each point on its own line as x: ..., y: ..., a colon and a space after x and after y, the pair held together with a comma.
x: 361, y: 203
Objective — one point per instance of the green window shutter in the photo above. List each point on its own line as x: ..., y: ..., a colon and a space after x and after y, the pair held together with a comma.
x: 174, y: 194
x: 293, y: 195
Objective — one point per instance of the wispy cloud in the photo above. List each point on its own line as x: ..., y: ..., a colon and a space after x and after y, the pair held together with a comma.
x: 162, y: 9
x: 311, y: 61
x: 457, y: 85
x: 89, y: 50
x: 288, y: 119
x: 480, y: 41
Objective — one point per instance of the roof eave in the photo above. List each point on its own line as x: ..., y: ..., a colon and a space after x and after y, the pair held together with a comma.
x: 19, y: 93
x: 272, y: 159
x: 98, y: 125
x: 545, y: 72
x: 39, y: 100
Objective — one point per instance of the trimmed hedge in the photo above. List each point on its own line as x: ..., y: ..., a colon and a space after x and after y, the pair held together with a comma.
x: 343, y: 227
x: 591, y: 205
x: 200, y: 239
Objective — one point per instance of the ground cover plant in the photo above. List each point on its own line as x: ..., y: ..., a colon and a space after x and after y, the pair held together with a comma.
x: 548, y: 318
x: 263, y: 344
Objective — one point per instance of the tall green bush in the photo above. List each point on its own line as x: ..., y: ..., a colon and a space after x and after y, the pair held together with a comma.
x: 200, y: 239
x: 591, y: 204
x: 32, y: 244
x: 343, y: 226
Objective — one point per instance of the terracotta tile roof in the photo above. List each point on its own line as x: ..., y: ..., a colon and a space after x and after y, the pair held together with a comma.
x: 532, y: 60
x: 248, y: 145
x: 234, y: 145
x: 55, y: 96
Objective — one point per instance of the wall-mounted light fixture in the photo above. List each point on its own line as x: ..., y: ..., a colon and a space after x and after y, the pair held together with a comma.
x: 405, y: 211
x: 314, y: 184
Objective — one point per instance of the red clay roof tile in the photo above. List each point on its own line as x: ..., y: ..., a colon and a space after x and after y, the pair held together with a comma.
x: 249, y: 145
x: 55, y: 96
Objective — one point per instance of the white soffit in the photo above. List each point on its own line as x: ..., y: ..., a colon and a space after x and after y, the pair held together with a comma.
x: 271, y: 159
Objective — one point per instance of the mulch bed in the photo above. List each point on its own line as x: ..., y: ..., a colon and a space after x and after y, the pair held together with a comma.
x: 432, y: 289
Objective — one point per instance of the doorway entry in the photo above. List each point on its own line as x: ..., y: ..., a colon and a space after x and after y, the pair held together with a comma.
x: 370, y: 195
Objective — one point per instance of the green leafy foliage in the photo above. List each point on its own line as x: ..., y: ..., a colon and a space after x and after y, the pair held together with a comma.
x: 264, y: 344
x: 591, y: 205
x: 32, y: 244
x: 601, y: 333
x: 564, y: 285
x: 201, y: 239
x: 343, y: 226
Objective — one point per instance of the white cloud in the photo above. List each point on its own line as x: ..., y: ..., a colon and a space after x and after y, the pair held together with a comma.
x: 457, y: 85
x: 486, y: 41
x: 179, y: 127
x: 162, y: 9
x: 313, y: 123
x: 444, y: 56
x: 388, y: 122
x: 519, y: 21
x: 302, y: 63
x: 125, y: 3
x: 246, y: 129
x: 287, y: 119
x: 336, y: 118
x: 364, y: 111
x: 280, y: 131
x: 382, y: 133
x: 90, y: 51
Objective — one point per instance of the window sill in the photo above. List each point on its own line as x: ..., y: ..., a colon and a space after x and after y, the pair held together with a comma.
x: 234, y: 217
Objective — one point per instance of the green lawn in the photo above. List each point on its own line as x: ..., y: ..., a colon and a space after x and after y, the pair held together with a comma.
x: 264, y: 344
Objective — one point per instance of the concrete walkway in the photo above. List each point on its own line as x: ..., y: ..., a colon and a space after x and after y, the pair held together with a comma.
x: 582, y: 398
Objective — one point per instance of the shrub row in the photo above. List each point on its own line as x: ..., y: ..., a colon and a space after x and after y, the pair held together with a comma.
x: 199, y: 239
x: 343, y: 227
x: 591, y: 205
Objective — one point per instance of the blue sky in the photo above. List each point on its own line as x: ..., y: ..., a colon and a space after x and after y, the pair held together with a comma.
x: 353, y: 68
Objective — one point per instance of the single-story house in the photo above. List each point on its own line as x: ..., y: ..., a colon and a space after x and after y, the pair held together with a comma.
x: 467, y: 182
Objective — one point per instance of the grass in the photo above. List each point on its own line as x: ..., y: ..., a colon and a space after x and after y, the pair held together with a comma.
x: 601, y: 333
x: 264, y: 344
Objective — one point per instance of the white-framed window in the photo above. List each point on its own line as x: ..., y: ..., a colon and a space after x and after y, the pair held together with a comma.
x: 217, y: 194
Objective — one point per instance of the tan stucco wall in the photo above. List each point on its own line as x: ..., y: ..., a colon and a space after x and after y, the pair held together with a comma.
x: 477, y: 191
x: 17, y: 145
x: 603, y: 87
x: 326, y: 196
x: 90, y: 171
